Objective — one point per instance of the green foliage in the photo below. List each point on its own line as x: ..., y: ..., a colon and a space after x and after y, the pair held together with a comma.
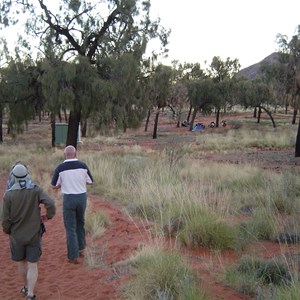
x: 250, y: 272
x: 19, y: 93
x: 161, y: 274
x: 221, y: 70
x: 92, y: 67
x: 260, y: 227
x: 285, y: 194
x: 201, y: 93
x: 288, y: 292
x: 201, y: 228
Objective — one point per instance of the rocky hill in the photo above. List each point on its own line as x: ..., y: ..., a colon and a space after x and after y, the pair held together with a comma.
x: 254, y: 71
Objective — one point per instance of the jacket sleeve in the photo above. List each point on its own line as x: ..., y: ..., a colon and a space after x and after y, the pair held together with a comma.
x: 6, y: 222
x: 48, y: 202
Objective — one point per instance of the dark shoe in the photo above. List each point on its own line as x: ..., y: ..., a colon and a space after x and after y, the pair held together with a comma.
x: 31, y: 297
x: 81, y: 253
x: 73, y: 261
x: 24, y: 291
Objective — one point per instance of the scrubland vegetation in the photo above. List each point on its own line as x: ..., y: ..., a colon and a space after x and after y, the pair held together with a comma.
x: 193, y: 203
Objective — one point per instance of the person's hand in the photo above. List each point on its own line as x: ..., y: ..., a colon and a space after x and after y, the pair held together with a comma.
x: 56, y: 187
x: 44, y: 218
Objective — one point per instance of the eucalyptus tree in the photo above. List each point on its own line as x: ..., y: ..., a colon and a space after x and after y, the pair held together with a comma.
x: 223, y: 73
x: 183, y: 73
x: 202, y: 93
x: 178, y: 100
x: 20, y: 94
x: 256, y: 94
x: 129, y: 105
x: 277, y: 76
x: 221, y: 70
x: 82, y: 28
x: 63, y: 82
x: 162, y: 81
x: 292, y: 48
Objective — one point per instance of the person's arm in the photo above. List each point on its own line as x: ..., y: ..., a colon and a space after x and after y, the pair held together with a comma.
x: 48, y: 202
x: 6, y: 222
x: 55, y: 180
x: 89, y: 177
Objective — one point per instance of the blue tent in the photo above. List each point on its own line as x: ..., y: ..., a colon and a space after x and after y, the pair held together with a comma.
x: 198, y: 126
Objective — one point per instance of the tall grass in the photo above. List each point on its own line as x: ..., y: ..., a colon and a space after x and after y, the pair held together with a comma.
x: 251, y: 275
x: 247, y: 137
x: 161, y: 274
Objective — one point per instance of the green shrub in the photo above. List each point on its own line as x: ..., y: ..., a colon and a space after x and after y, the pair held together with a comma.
x: 251, y: 272
x: 260, y: 227
x: 205, y: 230
x: 161, y: 274
x: 273, y: 272
x: 288, y: 292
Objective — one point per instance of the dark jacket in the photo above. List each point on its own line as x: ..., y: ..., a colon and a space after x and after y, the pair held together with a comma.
x: 22, y: 213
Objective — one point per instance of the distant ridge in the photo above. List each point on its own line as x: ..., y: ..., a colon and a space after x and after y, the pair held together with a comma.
x: 254, y: 71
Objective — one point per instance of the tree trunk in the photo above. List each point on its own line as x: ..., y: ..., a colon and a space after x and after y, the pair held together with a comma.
x: 297, y: 149
x: 189, y: 114
x: 74, y: 121
x: 147, y: 120
x: 53, y: 129
x: 217, y: 117
x: 155, y: 125
x: 269, y: 114
x: 193, y: 119
x: 258, y: 115
x: 83, y: 128
x: 255, y: 112
x: 294, y: 116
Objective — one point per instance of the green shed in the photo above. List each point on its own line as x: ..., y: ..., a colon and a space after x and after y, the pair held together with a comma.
x: 61, y: 131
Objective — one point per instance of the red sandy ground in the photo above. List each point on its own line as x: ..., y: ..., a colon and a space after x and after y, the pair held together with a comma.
x: 60, y: 280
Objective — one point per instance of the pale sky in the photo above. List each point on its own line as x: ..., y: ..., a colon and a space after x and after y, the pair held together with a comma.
x: 202, y: 29
x: 246, y: 30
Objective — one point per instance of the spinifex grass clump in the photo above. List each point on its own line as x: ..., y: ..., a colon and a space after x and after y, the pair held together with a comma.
x: 198, y: 226
x: 287, y: 292
x: 261, y: 226
x: 160, y: 274
x: 251, y: 272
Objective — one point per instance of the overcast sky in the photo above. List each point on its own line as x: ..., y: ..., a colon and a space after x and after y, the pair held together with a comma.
x: 246, y: 30
x: 202, y: 29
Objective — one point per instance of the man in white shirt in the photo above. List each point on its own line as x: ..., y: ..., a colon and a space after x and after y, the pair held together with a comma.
x: 71, y: 177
